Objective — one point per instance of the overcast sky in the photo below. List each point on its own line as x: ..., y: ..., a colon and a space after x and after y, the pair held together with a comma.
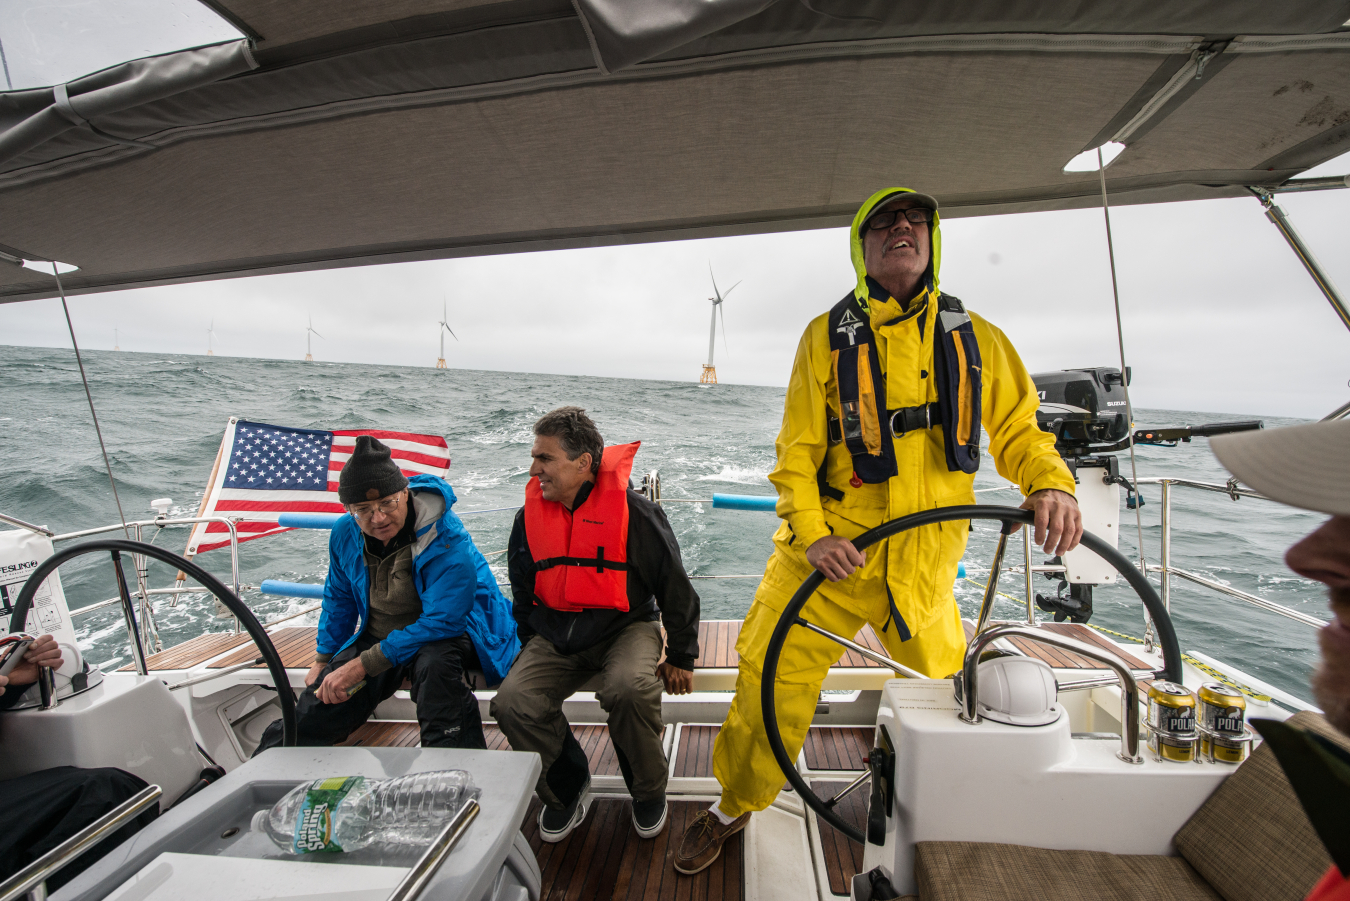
x: 1218, y: 313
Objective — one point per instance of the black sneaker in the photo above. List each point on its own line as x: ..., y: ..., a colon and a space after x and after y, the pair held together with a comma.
x: 649, y: 817
x: 555, y: 824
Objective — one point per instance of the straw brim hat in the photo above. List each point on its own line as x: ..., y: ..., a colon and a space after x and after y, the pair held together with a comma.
x: 1304, y: 466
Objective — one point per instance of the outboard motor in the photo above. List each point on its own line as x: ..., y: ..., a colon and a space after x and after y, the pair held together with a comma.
x: 1085, y: 410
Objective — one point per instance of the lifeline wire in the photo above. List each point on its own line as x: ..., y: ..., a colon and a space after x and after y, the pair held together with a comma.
x: 1125, y: 386
x: 1124, y: 379
x: 75, y: 344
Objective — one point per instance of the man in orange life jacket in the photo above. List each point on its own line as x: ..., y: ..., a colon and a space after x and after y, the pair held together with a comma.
x: 595, y: 570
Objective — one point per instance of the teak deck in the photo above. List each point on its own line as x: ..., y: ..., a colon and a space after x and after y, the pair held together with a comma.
x: 604, y: 858
x: 843, y: 856
x: 717, y: 648
x: 594, y: 741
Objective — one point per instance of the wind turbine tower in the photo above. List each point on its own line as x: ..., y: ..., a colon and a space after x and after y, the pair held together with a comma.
x: 709, y: 376
x: 309, y: 340
x: 115, y: 341
x: 445, y: 327
x: 211, y: 339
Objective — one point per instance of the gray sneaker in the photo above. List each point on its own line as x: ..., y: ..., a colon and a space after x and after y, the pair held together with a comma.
x: 555, y: 824
x: 649, y: 817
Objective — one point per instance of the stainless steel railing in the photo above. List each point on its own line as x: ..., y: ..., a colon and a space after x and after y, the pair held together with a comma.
x: 1129, y: 686
x: 31, y: 881
x: 148, y: 632
x: 421, y: 873
x: 1165, y: 570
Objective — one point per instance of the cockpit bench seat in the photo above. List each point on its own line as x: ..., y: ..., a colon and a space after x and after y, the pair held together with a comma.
x: 1250, y: 841
x: 715, y: 668
x: 986, y: 871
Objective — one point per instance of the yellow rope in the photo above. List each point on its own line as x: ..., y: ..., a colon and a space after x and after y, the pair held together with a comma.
x: 1202, y: 667
x: 999, y: 593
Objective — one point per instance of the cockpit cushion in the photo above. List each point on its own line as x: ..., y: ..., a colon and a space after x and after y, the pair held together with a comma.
x: 986, y: 871
x: 1251, y: 840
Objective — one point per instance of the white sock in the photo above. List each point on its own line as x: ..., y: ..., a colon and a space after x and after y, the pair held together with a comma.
x: 721, y: 817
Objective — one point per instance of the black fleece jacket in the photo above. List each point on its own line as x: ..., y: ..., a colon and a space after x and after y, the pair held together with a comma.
x: 658, y: 589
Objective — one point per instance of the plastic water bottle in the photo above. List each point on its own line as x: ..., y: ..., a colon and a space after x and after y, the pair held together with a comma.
x: 347, y: 813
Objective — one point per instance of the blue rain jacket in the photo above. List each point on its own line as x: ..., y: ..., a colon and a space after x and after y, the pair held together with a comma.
x: 458, y: 591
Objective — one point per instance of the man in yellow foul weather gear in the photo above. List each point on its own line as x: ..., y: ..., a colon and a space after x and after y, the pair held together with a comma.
x: 884, y: 407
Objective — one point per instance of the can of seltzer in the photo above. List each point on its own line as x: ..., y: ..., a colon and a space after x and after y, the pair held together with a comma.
x: 1223, y: 723
x: 1171, y: 722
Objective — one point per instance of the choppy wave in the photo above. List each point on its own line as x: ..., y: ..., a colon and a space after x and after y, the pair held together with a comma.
x: 163, y: 417
x: 739, y: 475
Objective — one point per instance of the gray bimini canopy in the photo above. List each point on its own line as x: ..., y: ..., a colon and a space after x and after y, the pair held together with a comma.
x: 375, y: 131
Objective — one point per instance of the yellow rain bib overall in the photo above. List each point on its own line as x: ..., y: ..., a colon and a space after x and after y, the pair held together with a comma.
x: 905, y: 588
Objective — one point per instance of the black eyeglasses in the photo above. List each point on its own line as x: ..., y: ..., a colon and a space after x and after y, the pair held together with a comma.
x: 886, y: 218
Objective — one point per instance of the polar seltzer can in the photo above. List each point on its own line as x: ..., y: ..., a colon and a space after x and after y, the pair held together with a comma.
x: 1171, y: 722
x: 1222, y: 719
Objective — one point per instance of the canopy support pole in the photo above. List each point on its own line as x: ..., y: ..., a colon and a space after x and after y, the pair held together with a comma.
x: 1305, y: 256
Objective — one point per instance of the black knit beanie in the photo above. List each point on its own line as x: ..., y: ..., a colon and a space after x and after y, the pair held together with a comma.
x: 371, y: 466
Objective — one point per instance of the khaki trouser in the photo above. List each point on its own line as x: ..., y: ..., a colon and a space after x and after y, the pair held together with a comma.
x: 528, y: 708
x: 742, y: 760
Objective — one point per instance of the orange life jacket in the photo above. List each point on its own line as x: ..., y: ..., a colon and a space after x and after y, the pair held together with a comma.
x: 581, y: 562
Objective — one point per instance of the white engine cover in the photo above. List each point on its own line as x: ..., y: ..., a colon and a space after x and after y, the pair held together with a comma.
x: 129, y: 721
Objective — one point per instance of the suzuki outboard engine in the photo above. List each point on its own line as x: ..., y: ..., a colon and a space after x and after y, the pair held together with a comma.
x: 1085, y: 410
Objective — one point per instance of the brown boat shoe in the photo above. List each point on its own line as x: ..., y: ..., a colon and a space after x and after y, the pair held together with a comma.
x: 702, y: 842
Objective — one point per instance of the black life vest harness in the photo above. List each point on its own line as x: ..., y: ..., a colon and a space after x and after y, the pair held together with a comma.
x: 867, y: 426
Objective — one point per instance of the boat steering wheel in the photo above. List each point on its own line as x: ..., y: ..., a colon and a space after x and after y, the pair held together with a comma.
x: 1009, y: 516
x: 117, y: 547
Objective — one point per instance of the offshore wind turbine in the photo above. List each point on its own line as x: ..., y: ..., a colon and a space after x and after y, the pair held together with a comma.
x: 445, y: 327
x: 115, y: 342
x: 709, y: 376
x: 309, y: 331
x: 211, y: 339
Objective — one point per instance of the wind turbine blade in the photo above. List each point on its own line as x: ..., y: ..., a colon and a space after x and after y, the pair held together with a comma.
x: 315, y: 332
x: 729, y: 290
x: 714, y: 281
x: 451, y: 331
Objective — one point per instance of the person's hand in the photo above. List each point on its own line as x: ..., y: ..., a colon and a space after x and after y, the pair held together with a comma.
x: 678, y: 681
x: 336, y: 685
x: 836, y: 557
x: 43, y: 652
x: 314, y: 673
x: 4, y: 680
x: 1059, y: 524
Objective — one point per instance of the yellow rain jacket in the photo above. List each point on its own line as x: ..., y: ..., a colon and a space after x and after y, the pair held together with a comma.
x: 918, y: 567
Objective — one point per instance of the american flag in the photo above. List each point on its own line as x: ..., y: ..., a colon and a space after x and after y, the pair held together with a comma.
x: 266, y: 470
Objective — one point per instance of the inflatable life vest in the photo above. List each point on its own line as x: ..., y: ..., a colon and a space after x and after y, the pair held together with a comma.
x: 581, y: 556
x: 867, y: 426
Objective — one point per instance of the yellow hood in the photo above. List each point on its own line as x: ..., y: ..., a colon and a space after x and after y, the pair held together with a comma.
x: 855, y: 239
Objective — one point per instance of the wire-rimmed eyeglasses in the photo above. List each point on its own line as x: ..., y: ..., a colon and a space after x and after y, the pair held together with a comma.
x: 388, y: 506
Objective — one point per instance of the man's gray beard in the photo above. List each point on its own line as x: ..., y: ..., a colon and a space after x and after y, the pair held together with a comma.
x: 1331, y: 681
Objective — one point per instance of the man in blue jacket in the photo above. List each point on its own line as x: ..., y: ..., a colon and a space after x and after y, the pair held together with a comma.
x: 408, y: 596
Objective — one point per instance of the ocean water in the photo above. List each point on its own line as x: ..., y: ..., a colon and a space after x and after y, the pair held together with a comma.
x: 163, y: 416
